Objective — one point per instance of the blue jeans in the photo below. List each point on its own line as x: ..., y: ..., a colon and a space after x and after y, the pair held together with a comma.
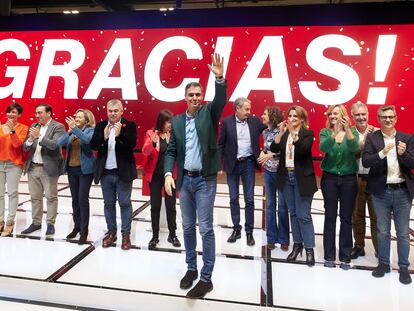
x: 197, y: 196
x: 246, y: 170
x: 80, y: 185
x: 276, y: 231
x: 343, y: 189
x: 112, y: 187
x: 398, y: 203
x: 300, y: 212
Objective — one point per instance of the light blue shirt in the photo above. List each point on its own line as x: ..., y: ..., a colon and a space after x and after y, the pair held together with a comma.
x: 111, y: 159
x: 244, y: 146
x: 192, y: 160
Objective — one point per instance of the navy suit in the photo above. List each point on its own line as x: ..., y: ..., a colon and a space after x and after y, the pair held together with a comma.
x: 244, y: 168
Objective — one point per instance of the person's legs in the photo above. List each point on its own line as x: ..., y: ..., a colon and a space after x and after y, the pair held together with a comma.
x: 270, y: 191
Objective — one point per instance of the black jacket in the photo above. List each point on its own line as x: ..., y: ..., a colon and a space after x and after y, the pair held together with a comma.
x: 124, y: 150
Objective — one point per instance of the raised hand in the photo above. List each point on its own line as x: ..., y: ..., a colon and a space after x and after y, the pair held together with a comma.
x: 34, y: 132
x: 10, y: 123
x: 401, y: 147
x: 71, y: 123
x: 155, y: 138
x: 216, y: 66
x: 388, y: 147
x: 117, y: 127
x: 107, y: 131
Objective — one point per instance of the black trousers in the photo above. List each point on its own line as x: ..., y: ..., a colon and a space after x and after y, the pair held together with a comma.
x: 156, y: 185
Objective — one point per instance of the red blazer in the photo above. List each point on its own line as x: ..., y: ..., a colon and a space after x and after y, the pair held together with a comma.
x: 150, y: 158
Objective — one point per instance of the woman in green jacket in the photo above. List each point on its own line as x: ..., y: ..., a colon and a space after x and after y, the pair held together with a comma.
x: 339, y: 142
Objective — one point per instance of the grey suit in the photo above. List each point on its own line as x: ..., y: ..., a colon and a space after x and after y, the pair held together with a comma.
x: 43, y: 177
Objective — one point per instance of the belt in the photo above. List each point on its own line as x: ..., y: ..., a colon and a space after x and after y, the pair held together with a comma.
x: 37, y: 164
x: 193, y: 173
x: 290, y: 169
x: 113, y: 171
x: 363, y: 176
x: 401, y: 185
x: 241, y: 159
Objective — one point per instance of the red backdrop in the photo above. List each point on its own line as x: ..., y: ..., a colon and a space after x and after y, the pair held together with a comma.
x: 310, y: 66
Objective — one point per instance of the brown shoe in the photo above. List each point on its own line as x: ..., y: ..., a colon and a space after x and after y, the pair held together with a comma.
x: 8, y: 230
x: 126, y: 242
x: 284, y: 247
x: 1, y: 227
x: 109, y: 239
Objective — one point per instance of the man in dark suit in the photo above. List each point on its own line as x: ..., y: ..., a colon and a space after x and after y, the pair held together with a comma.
x: 239, y: 145
x: 390, y: 156
x: 44, y: 166
x: 193, y: 145
x: 115, y: 139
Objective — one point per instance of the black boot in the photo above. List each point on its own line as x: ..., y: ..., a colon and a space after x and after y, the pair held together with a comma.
x: 297, y: 248
x: 310, y: 257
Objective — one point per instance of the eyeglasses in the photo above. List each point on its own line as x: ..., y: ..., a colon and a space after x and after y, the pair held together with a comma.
x: 387, y: 117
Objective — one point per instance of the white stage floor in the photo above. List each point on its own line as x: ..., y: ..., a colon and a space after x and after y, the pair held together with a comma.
x: 39, y: 273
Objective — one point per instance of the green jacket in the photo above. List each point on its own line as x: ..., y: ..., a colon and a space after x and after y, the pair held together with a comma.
x: 339, y: 158
x: 206, y: 123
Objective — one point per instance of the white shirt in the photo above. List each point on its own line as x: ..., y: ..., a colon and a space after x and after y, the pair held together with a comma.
x: 290, y: 152
x: 37, y: 156
x: 393, y: 168
x: 111, y: 159
x: 361, y: 169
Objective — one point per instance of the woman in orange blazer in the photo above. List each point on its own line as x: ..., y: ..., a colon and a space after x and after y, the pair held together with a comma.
x: 154, y: 149
x: 12, y: 136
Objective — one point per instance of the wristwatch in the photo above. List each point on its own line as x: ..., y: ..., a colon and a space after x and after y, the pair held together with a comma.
x: 12, y: 131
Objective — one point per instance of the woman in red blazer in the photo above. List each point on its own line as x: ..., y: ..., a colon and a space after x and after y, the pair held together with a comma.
x: 154, y: 149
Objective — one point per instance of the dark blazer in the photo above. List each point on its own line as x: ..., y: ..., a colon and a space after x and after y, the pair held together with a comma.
x: 51, y: 151
x: 377, y: 177
x: 124, y: 150
x: 304, y: 172
x: 228, y: 140
x: 206, y: 123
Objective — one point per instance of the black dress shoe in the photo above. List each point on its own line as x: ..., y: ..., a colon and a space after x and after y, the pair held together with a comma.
x: 236, y: 234
x: 405, y: 277
x: 310, y: 257
x: 271, y: 246
x: 31, y: 228
x: 357, y: 251
x: 174, y: 241
x: 73, y: 234
x: 50, y: 229
x: 249, y: 239
x: 380, y: 270
x: 152, y: 244
x: 200, y: 290
x: 187, y: 280
x: 83, y: 239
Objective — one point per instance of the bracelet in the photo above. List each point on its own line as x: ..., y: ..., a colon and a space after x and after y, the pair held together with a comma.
x: 219, y: 78
x: 12, y: 131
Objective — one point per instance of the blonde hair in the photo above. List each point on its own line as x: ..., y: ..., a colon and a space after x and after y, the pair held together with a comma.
x: 302, y: 115
x: 89, y: 117
x: 342, y: 112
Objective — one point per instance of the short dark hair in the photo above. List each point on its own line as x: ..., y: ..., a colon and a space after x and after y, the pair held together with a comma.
x: 16, y: 106
x: 275, y: 115
x: 164, y: 115
x: 193, y: 84
x: 48, y: 108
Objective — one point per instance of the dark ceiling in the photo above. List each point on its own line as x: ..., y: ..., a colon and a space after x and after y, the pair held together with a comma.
x: 18, y: 7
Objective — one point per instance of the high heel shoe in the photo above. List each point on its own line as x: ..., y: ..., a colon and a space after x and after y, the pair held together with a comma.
x: 297, y: 249
x: 310, y: 257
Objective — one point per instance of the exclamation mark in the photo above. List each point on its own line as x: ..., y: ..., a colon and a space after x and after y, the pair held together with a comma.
x: 385, y: 52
